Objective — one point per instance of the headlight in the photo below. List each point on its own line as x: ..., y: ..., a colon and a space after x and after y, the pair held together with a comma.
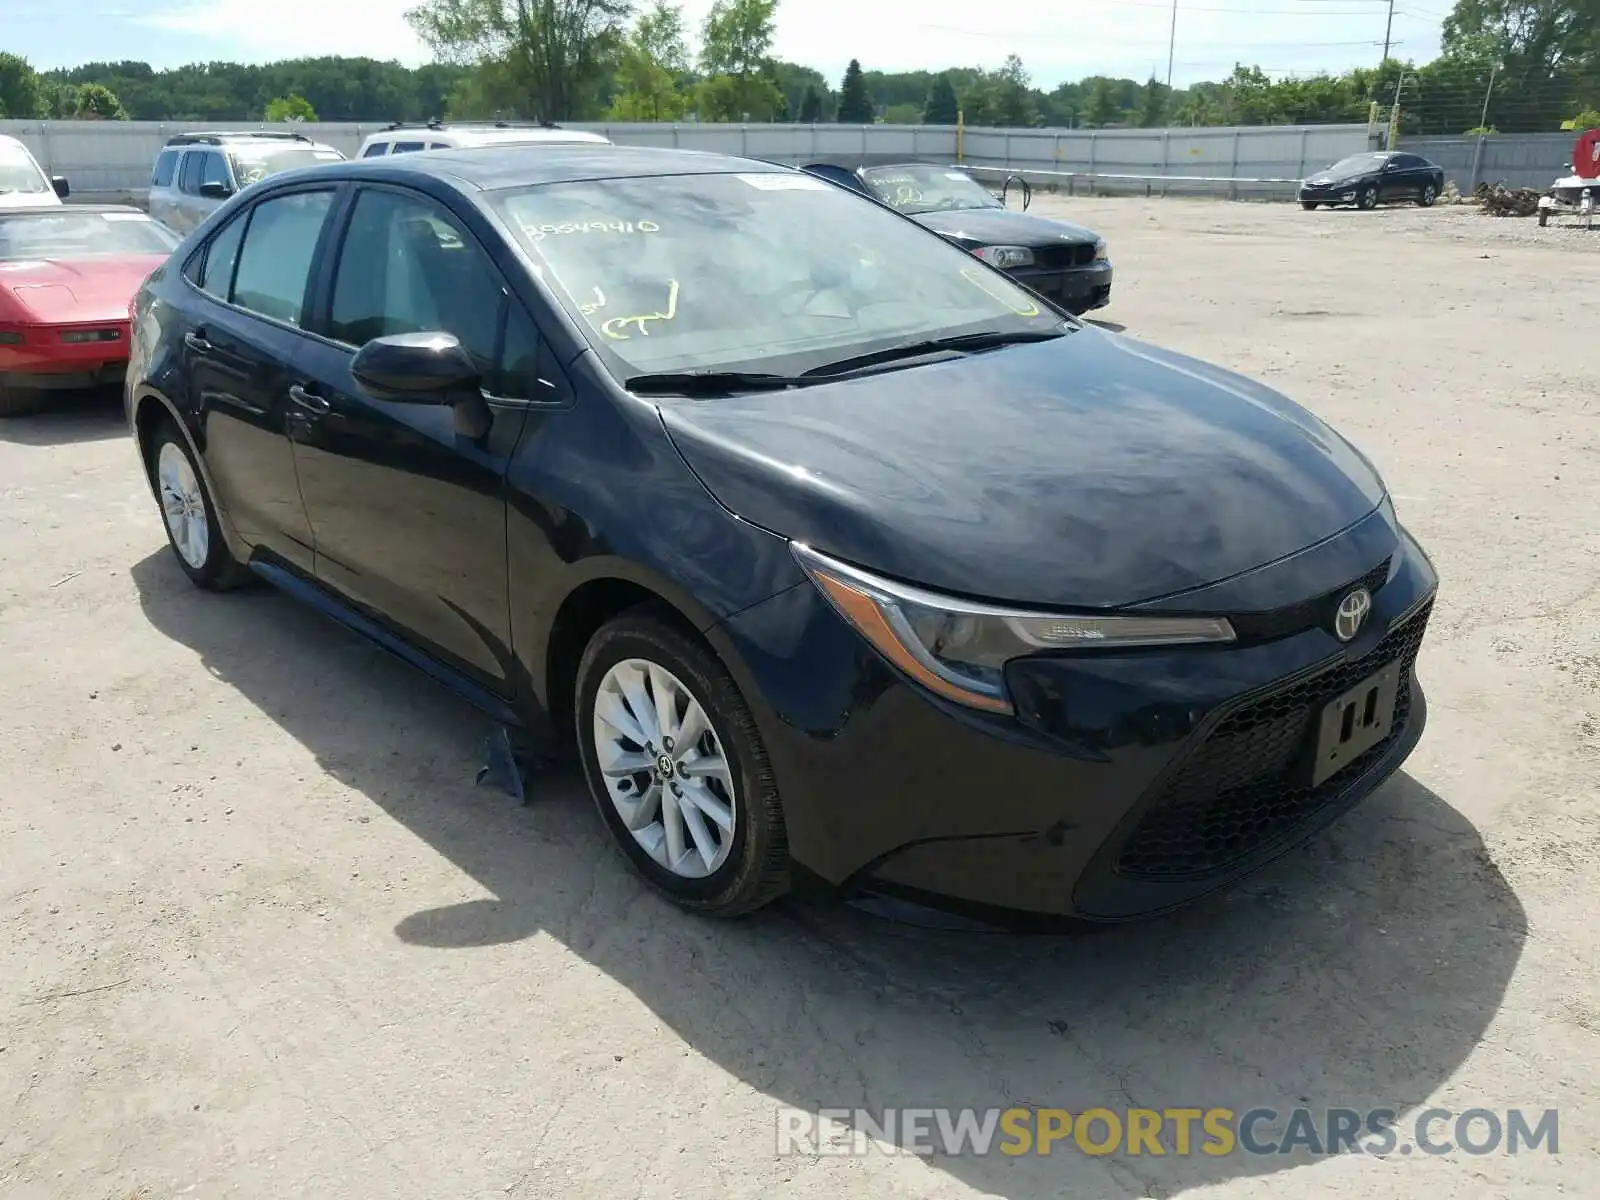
x: 1099, y: 249
x: 1005, y: 257
x: 959, y: 648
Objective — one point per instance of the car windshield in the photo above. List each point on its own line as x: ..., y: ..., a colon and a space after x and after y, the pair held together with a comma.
x: 1356, y: 164
x: 19, y: 174
x: 774, y: 272
x: 53, y: 235
x: 252, y: 164
x: 918, y: 189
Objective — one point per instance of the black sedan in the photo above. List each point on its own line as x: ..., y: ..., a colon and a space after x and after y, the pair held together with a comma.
x: 1367, y: 180
x: 1065, y: 263
x: 834, y: 554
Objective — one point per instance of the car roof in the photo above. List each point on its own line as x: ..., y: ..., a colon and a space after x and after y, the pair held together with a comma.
x: 492, y: 168
x: 57, y: 210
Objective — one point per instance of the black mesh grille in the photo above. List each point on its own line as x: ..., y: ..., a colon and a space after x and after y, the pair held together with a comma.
x: 1241, y: 789
x: 1056, y: 257
x: 1308, y: 614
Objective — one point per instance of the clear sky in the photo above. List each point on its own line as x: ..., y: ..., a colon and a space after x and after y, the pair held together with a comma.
x: 1057, y: 39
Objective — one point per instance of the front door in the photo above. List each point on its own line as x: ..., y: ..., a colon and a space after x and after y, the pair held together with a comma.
x: 409, y: 513
x: 238, y: 354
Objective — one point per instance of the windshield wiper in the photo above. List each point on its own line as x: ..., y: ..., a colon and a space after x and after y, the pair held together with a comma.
x: 709, y: 383
x: 960, y: 343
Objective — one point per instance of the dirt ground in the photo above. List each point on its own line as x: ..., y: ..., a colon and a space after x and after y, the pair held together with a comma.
x: 263, y: 937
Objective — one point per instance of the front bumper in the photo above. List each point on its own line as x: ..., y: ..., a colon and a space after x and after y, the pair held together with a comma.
x: 1330, y: 194
x: 1127, y: 784
x: 43, y: 360
x: 1076, y: 289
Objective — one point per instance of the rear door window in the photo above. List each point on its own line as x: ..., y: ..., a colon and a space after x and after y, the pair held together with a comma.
x: 404, y: 147
x: 275, y: 261
x: 215, y: 277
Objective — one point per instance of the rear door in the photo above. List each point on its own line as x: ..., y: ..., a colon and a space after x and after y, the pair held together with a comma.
x: 253, y: 280
x: 409, y: 513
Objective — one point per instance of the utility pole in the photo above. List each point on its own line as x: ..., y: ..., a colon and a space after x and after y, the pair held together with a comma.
x: 1483, y: 123
x: 1172, y: 39
x: 1388, y: 28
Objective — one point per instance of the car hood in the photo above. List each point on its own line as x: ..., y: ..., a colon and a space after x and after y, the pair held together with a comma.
x: 1002, y: 227
x: 1326, y: 180
x: 100, y: 289
x: 29, y: 200
x: 1089, y: 471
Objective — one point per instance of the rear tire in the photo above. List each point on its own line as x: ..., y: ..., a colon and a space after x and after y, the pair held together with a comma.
x: 1309, y: 205
x: 190, y: 515
x: 1544, y: 217
x: 709, y: 834
x: 1428, y: 196
x: 17, y: 402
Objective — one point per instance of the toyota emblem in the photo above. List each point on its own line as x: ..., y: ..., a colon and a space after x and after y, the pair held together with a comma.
x: 1352, y: 613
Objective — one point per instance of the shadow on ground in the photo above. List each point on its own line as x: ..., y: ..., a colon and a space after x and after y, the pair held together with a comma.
x: 1359, y: 972
x: 66, y: 418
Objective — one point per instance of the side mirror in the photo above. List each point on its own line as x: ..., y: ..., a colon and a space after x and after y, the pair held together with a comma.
x: 215, y: 191
x: 425, y: 368
x: 62, y: 187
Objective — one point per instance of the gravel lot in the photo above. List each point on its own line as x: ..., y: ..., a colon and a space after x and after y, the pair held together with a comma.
x: 263, y: 937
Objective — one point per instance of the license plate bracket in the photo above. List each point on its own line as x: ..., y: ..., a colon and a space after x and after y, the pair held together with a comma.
x: 1354, y: 723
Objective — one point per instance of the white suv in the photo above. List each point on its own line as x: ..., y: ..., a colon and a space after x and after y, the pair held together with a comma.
x: 197, y: 172
x: 22, y: 183
x: 401, y: 138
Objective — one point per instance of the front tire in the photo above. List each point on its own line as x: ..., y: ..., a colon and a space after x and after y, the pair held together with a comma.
x: 190, y: 515
x: 1368, y: 199
x: 1544, y: 217
x: 677, y: 767
x: 1427, y: 197
x: 1309, y: 205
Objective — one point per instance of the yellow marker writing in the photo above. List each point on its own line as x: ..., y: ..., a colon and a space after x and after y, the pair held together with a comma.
x: 612, y: 327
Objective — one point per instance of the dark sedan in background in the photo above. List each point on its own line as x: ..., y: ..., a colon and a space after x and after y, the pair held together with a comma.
x: 1367, y: 180
x: 1064, y: 263
x: 836, y: 554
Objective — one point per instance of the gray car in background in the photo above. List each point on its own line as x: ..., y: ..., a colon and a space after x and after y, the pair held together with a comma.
x: 197, y: 172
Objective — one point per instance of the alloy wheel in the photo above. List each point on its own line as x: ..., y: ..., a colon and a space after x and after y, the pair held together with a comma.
x: 664, y: 768
x: 183, y: 505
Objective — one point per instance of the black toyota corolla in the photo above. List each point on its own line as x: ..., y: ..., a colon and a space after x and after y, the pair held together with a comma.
x: 834, y: 554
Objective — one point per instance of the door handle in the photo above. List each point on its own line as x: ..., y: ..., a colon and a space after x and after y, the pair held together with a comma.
x: 309, y: 401
x: 197, y: 343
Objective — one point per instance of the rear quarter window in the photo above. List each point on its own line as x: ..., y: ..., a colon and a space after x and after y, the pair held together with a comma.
x: 376, y: 150
x: 166, y: 167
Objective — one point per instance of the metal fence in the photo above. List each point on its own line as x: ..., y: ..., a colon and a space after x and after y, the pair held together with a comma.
x: 1517, y: 159
x: 105, y: 158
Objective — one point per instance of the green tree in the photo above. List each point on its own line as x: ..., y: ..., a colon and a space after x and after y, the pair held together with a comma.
x: 552, y: 54
x: 734, y: 53
x: 855, y: 106
x: 96, y: 102
x: 292, y: 107
x: 1102, y: 108
x: 1153, y: 110
x: 940, y: 107
x: 1013, y: 95
x: 652, y: 57
x: 811, y: 107
x: 21, y: 95
x: 1589, y: 118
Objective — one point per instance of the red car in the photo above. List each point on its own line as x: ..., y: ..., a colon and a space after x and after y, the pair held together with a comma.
x: 67, y: 278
